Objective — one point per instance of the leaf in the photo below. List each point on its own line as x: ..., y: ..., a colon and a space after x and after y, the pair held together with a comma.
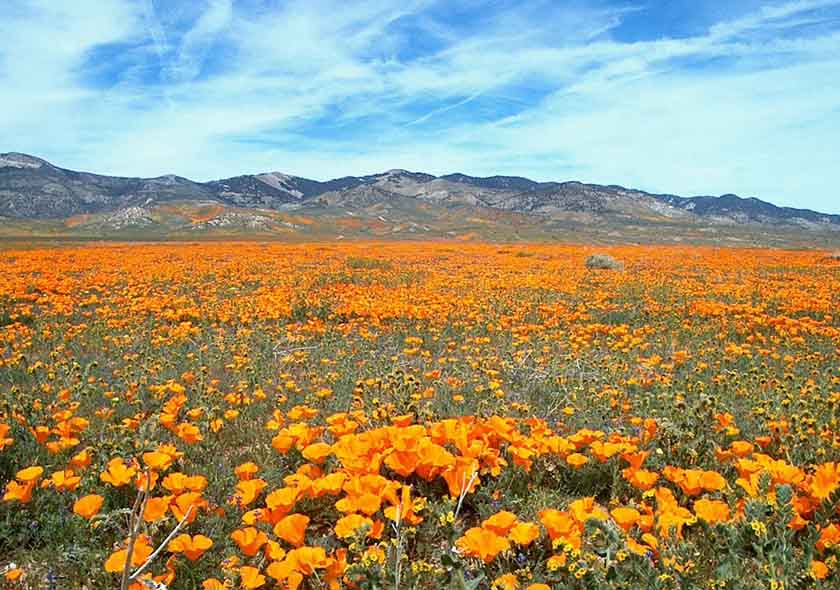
x: 473, y: 584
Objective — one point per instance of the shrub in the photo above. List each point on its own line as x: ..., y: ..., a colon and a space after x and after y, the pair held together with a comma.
x: 604, y: 261
x: 361, y: 262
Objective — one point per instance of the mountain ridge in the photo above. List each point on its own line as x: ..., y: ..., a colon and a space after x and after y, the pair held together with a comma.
x: 34, y: 189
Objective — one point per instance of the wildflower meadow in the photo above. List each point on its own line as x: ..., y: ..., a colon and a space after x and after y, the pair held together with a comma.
x: 451, y: 416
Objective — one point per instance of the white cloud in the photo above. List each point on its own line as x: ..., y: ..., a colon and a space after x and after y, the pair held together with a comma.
x: 199, y: 38
x: 327, y: 88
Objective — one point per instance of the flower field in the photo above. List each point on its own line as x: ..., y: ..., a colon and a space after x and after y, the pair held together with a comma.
x: 400, y: 416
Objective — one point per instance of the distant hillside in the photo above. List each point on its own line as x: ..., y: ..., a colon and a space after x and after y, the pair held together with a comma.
x: 34, y: 191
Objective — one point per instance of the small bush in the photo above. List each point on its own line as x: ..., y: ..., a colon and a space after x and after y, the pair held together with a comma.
x: 361, y: 262
x: 604, y: 261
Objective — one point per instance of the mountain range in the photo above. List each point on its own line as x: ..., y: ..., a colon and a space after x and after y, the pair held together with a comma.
x: 39, y: 198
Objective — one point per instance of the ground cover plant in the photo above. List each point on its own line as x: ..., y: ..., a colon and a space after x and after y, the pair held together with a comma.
x: 379, y: 416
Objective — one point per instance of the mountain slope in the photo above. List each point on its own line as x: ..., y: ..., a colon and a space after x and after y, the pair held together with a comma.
x: 33, y: 189
x: 738, y: 209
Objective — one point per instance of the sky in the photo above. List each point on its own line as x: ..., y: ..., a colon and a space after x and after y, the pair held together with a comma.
x: 691, y: 97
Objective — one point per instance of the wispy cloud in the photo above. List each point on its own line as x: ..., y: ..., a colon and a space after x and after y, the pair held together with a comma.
x: 199, y: 40
x: 749, y: 103
x: 444, y: 109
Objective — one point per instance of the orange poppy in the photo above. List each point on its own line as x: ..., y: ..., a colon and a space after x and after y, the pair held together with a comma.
x: 819, y: 570
x: 482, y: 544
x: 88, y: 506
x: 156, y: 508
x: 157, y: 460
x: 712, y: 511
x: 577, y: 460
x: 317, y: 452
x: 141, y: 551
x: 17, y: 492
x: 249, y: 540
x: 625, y: 517
x: 191, y: 547
x: 500, y: 523
x: 118, y: 473
x: 292, y: 529
x: 247, y: 491
x: 29, y: 474
x: 250, y: 578
x: 825, y: 481
x: 348, y: 526
x: 524, y: 533
x: 247, y: 471
x: 641, y: 479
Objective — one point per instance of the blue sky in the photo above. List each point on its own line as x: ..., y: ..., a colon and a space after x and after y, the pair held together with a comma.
x: 683, y: 96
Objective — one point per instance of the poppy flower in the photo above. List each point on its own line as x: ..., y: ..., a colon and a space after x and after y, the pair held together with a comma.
x: 829, y: 537
x: 482, y: 544
x: 118, y: 473
x: 249, y: 540
x: 674, y: 518
x: 406, y: 509
x: 641, y: 479
x: 560, y: 525
x: 648, y: 545
x: 625, y: 517
x: 273, y: 551
x: 819, y: 570
x: 825, y: 481
x: 247, y: 491
x: 189, y: 433
x: 247, y: 471
x: 500, y: 523
x: 712, y: 481
x: 741, y: 448
x: 577, y: 460
x: 524, y: 533
x: 88, y: 506
x: 189, y: 502
x: 308, y: 559
x: 29, y: 474
x: 712, y: 511
x: 584, y: 509
x: 63, y: 481
x: 250, y: 578
x: 366, y: 503
x: 281, y: 501
x: 462, y: 477
x: 156, y: 508
x: 191, y: 547
x: 81, y: 460
x: 17, y: 492
x: 603, y: 451
x: 292, y: 529
x: 347, y: 526
x: 157, y: 460
x: 5, y: 439
x: 317, y: 452
x: 505, y: 582
x: 141, y: 551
